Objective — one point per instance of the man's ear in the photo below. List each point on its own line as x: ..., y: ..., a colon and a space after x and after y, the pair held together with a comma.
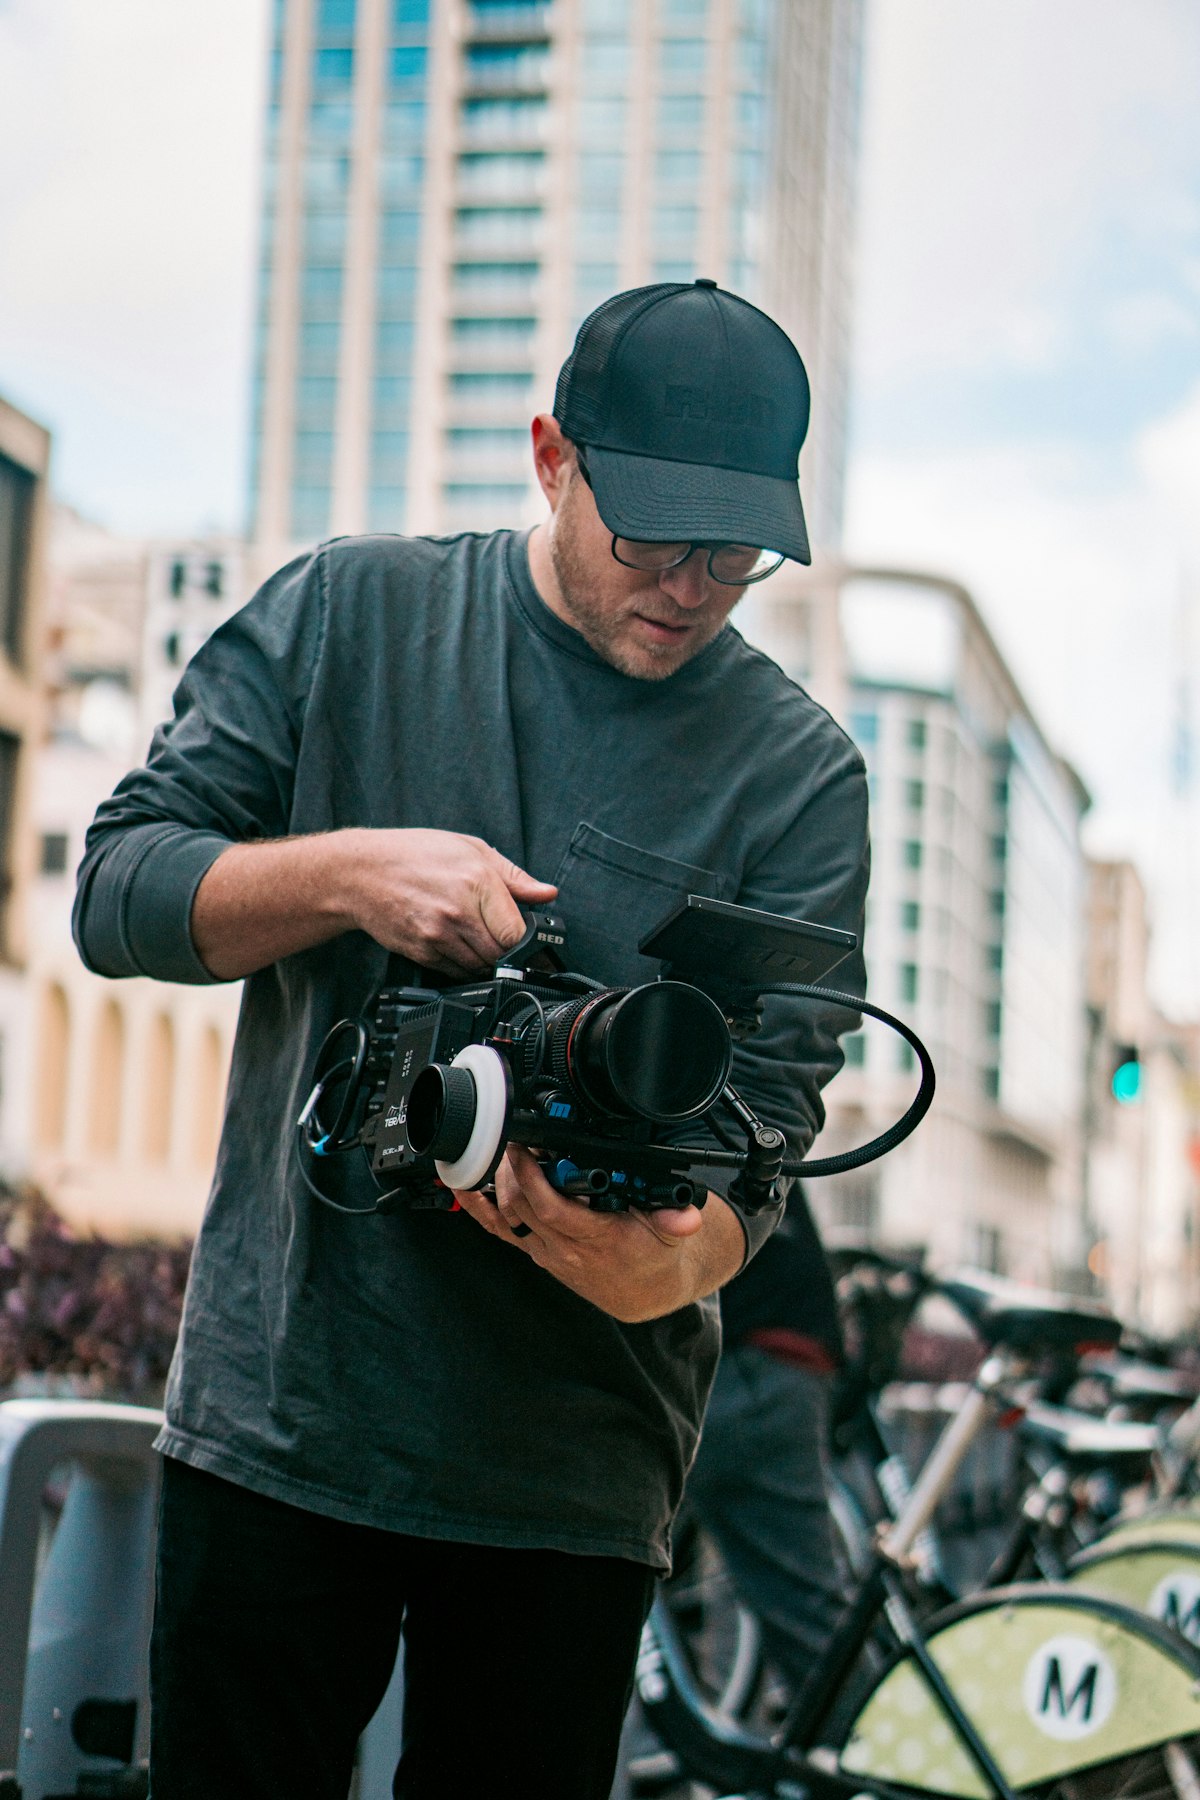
x: 553, y: 458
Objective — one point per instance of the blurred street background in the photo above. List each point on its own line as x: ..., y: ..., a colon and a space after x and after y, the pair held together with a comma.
x: 275, y: 270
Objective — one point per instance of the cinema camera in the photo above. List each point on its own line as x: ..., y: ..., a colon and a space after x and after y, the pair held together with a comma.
x: 601, y: 1080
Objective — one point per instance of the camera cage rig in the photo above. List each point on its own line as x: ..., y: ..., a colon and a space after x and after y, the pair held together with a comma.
x: 445, y: 1077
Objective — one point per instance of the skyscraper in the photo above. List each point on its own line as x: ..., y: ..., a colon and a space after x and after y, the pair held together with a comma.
x: 451, y: 185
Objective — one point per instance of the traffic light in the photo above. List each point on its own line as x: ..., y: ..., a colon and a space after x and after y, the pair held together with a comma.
x: 1126, y: 1074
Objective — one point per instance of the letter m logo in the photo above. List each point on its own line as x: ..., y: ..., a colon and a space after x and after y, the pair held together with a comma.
x: 1082, y: 1695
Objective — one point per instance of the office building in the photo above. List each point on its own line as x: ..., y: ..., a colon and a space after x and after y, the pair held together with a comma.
x: 975, y: 930
x: 451, y: 185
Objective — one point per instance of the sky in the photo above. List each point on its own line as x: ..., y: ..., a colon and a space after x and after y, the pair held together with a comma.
x: 1026, y: 408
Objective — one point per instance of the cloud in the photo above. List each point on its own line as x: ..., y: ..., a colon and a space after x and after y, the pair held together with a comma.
x: 129, y: 139
x: 1168, y: 454
x: 1009, y: 147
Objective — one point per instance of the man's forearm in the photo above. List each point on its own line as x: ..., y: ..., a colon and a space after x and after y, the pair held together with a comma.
x: 717, y: 1251
x: 444, y: 900
x: 263, y: 901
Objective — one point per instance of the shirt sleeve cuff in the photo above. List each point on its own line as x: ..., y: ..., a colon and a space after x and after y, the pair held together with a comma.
x: 756, y: 1227
x: 145, y: 927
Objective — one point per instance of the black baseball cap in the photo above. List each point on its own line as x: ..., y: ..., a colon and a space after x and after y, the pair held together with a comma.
x: 692, y: 405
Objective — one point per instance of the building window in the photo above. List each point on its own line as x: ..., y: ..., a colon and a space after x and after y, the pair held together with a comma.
x: 408, y: 63
x: 16, y: 519
x: 601, y: 174
x: 214, y: 580
x: 992, y: 1014
x: 864, y: 727
x: 601, y: 118
x: 910, y: 915
x: 914, y: 795
x: 680, y: 112
x: 521, y: 119
x: 676, y: 222
x: 908, y: 981
x: 177, y: 580
x: 55, y: 846
x: 986, y: 1248
x: 410, y: 12
x: 678, y: 168
x: 335, y: 15
x: 404, y: 121
x: 913, y: 853
x: 996, y: 903
x: 385, y: 508
x: 915, y: 734
x: 605, y: 64
x: 993, y: 956
x: 333, y: 68
x: 683, y: 58
x: 906, y: 1056
x: 855, y: 1050
x: 991, y: 1083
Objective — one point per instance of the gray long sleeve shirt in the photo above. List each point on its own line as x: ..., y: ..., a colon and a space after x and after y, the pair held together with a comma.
x: 410, y: 1371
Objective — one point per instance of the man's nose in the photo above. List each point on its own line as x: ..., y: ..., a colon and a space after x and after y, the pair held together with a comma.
x: 688, y: 582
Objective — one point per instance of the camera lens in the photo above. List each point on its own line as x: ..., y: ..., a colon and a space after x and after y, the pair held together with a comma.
x: 441, y: 1111
x: 660, y: 1052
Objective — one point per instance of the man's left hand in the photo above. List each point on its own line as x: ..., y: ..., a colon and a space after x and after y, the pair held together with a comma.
x: 634, y: 1265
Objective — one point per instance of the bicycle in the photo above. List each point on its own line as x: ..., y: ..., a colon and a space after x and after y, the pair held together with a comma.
x: 1084, y: 1698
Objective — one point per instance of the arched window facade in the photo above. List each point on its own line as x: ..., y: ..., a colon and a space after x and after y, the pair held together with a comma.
x: 158, y: 1089
x: 209, y: 1097
x: 107, y: 1081
x: 54, y: 1048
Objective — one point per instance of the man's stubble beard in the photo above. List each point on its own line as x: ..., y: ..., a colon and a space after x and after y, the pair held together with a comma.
x: 606, y: 632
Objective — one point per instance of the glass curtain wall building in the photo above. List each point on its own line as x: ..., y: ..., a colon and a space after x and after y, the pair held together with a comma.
x: 451, y: 185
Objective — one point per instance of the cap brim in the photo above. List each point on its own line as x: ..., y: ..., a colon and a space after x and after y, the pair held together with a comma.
x: 662, y: 502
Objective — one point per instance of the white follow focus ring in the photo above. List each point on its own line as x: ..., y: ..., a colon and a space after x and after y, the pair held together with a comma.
x: 486, y: 1069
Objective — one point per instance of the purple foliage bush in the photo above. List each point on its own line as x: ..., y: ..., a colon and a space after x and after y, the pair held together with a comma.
x: 97, y: 1316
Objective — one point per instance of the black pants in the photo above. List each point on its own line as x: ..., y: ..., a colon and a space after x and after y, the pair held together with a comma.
x: 276, y: 1631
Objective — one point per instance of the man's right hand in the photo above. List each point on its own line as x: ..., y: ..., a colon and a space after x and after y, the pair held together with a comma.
x: 445, y: 900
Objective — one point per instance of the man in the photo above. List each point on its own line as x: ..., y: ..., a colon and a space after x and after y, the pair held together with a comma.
x: 438, y: 1416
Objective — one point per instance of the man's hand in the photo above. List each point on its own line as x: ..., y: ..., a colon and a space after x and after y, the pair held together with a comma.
x: 447, y: 901
x: 634, y: 1265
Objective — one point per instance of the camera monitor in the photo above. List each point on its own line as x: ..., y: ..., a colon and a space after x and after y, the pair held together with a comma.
x: 742, y: 947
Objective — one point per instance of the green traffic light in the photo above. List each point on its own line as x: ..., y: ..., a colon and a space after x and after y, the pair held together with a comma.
x: 1127, y: 1083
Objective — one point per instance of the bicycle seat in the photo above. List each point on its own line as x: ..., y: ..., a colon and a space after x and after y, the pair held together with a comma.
x: 1081, y: 1438
x: 1029, y: 1319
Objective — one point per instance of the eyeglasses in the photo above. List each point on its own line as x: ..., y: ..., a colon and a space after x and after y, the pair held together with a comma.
x: 732, y: 565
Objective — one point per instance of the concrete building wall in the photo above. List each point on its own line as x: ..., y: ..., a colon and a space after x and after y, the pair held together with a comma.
x: 123, y: 1112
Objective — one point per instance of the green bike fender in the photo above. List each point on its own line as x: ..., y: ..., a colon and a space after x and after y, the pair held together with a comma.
x: 1161, y: 1578
x: 1054, y: 1680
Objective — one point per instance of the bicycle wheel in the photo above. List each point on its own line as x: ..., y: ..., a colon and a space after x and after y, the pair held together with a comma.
x: 721, y: 1636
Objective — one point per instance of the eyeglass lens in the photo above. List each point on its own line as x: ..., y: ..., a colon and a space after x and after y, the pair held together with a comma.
x: 733, y: 564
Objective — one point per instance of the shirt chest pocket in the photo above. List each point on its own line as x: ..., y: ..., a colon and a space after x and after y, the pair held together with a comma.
x: 610, y: 894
